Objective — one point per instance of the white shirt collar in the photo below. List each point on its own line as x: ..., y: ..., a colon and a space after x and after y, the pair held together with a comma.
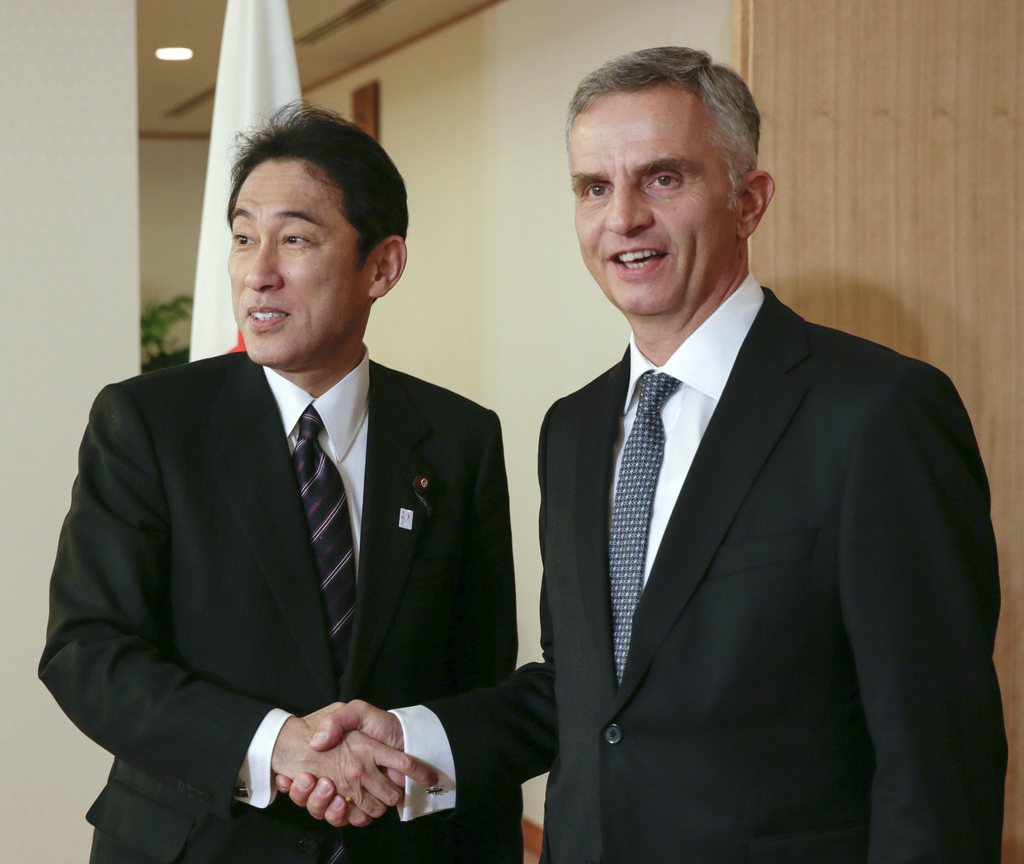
x: 342, y: 408
x: 705, y: 359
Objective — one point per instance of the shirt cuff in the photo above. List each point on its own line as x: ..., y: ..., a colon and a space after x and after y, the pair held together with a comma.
x: 255, y: 776
x: 425, y: 739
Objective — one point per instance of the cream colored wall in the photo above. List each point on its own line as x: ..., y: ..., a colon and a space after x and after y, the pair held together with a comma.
x: 495, y: 302
x: 171, y: 181
x: 70, y: 276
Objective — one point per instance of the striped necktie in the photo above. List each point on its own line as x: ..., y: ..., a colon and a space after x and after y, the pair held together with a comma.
x: 324, y: 500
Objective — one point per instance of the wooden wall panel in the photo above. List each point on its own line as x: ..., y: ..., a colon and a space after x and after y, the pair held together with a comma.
x: 895, y: 132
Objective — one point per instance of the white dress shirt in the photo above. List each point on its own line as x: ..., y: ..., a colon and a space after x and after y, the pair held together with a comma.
x: 343, y: 410
x: 703, y: 364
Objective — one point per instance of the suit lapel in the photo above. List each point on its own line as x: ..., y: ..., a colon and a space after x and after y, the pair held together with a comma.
x: 756, y: 406
x: 600, y: 413
x: 258, y: 481
x: 386, y: 547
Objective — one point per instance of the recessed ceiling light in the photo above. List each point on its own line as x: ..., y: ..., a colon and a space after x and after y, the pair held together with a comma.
x: 173, y: 53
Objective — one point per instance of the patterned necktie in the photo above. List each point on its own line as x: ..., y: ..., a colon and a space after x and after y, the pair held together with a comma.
x: 324, y: 499
x: 631, y: 509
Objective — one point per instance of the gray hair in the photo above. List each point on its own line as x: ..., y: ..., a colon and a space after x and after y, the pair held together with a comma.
x: 723, y: 92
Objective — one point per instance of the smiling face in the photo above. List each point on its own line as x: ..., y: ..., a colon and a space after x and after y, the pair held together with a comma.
x: 300, y: 294
x: 654, y: 213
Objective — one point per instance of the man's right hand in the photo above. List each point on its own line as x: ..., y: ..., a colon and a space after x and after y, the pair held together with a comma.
x: 336, y: 720
x: 352, y: 769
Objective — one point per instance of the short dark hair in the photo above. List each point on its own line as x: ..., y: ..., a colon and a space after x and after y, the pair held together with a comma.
x: 723, y: 92
x: 372, y: 191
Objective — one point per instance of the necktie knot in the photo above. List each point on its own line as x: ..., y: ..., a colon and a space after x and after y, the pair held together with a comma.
x: 655, y: 388
x: 310, y: 424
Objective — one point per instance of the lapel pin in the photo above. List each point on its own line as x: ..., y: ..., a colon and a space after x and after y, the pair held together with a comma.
x: 405, y: 519
x: 420, y: 485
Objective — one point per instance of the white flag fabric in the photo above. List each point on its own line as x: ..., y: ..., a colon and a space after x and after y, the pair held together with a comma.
x: 256, y: 75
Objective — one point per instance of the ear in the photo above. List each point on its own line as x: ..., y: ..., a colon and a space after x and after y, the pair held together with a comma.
x: 752, y: 198
x: 385, y: 265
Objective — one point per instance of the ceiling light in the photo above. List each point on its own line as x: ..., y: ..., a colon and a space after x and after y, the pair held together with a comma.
x: 173, y: 53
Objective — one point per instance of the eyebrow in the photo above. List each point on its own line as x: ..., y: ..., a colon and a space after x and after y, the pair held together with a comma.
x: 670, y: 163
x: 304, y: 215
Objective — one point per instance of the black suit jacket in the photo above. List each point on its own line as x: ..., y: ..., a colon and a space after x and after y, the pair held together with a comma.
x: 810, y: 677
x: 184, y: 605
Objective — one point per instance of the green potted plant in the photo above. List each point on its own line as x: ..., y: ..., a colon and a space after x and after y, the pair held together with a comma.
x: 164, y: 332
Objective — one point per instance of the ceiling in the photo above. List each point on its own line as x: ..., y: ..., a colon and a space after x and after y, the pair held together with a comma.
x: 176, y: 98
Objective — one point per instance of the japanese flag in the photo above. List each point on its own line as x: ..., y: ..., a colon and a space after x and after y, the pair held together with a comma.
x: 256, y: 75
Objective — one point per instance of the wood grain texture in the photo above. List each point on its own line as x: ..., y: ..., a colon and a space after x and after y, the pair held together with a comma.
x: 895, y: 133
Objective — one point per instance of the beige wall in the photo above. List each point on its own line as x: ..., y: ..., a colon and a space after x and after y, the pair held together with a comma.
x: 70, y: 273
x: 171, y: 180
x: 495, y: 302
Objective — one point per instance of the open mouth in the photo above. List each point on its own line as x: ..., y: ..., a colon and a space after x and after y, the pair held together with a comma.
x: 638, y: 258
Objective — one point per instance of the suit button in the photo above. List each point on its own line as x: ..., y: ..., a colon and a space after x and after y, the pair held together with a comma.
x: 310, y: 846
x: 613, y: 734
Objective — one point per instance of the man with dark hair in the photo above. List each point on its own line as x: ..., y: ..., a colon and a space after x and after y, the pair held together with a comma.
x: 253, y: 536
x: 770, y: 587
x: 374, y: 200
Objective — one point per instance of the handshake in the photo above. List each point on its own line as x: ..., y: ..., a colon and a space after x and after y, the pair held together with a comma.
x: 345, y: 763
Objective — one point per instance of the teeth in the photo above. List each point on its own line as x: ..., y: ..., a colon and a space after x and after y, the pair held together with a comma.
x: 636, y: 259
x: 626, y: 257
x: 266, y: 316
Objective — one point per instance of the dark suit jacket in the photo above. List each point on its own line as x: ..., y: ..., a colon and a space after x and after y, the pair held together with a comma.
x: 810, y: 678
x: 184, y: 605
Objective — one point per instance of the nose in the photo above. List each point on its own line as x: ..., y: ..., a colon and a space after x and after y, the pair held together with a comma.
x: 629, y: 212
x: 264, y: 273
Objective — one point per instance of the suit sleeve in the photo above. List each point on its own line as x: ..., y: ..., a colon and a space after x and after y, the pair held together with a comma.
x: 920, y: 594
x: 485, y: 615
x: 503, y: 735
x: 109, y: 658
